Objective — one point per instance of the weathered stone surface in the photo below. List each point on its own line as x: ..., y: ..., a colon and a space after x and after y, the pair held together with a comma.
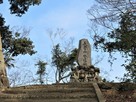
x: 85, y: 71
x: 3, y: 75
x: 74, y: 92
x: 134, y: 95
x: 98, y: 92
x: 84, y: 53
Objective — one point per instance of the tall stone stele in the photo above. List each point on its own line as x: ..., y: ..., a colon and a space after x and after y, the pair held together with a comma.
x: 84, y: 53
x: 85, y: 71
x: 3, y: 75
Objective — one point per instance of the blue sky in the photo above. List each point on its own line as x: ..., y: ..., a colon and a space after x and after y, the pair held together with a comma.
x: 71, y: 15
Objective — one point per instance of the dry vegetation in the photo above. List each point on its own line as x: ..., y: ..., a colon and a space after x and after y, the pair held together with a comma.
x: 119, y: 92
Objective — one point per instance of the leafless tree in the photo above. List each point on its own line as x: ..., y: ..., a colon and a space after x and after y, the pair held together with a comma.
x: 107, y: 12
x: 59, y: 36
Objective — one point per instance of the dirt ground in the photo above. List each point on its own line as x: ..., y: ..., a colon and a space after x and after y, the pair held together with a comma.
x: 118, y: 92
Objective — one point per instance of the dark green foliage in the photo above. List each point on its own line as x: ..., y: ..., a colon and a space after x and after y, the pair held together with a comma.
x: 1, y: 1
x: 123, y: 40
x: 131, y: 69
x: 14, y: 45
x: 119, y: 17
x: 59, y: 60
x: 22, y: 46
x: 73, y: 56
x: 19, y: 7
x: 62, y: 61
x: 41, y: 70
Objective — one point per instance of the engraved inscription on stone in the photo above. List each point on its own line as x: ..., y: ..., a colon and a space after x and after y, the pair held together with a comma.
x: 84, y: 54
x: 85, y: 71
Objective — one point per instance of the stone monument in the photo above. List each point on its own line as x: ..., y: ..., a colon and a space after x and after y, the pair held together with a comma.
x: 3, y: 75
x: 84, y: 53
x: 85, y: 71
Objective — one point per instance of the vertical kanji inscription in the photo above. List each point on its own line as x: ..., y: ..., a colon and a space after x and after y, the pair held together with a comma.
x: 84, y: 54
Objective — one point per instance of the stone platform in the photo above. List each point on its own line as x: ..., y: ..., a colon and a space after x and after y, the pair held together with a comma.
x: 71, y: 92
